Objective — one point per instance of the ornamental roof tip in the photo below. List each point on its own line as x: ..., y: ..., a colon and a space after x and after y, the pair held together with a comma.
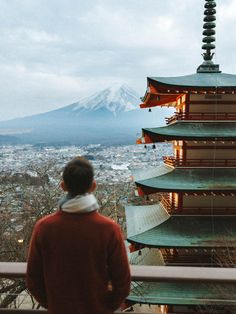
x: 208, y: 67
x: 209, y: 39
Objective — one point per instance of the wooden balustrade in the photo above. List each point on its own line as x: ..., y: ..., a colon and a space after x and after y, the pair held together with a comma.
x: 139, y: 273
x: 165, y: 201
x: 202, y: 116
x: 199, y: 162
x: 196, y: 210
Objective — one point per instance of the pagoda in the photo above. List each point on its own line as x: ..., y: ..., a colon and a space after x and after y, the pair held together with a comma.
x: 194, y: 223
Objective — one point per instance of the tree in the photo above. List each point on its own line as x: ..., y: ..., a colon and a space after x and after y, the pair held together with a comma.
x: 25, y: 197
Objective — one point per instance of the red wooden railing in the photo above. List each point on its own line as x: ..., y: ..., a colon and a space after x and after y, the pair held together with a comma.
x: 204, y: 116
x: 198, y: 162
x: 196, y: 210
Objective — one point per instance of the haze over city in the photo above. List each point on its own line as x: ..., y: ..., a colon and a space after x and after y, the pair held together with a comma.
x: 55, y: 52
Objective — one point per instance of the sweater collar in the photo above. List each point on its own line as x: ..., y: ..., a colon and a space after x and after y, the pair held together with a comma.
x: 79, y: 204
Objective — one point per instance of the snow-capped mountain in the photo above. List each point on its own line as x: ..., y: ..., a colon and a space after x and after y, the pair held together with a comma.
x: 111, y: 116
x: 115, y: 98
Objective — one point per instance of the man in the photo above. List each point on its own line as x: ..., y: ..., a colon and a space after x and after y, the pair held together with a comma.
x: 77, y: 261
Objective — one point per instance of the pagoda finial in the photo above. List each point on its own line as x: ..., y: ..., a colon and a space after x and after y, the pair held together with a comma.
x: 209, y: 29
x: 209, y: 39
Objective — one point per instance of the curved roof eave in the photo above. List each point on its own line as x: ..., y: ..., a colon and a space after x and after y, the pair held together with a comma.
x: 183, y: 293
x: 190, y: 232
x: 204, y: 80
x: 191, y: 130
x: 190, y: 180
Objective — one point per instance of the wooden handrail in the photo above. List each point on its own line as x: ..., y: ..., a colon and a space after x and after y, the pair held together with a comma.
x: 12, y: 270
x: 199, y: 162
x: 138, y: 273
x: 205, y: 116
x: 22, y: 311
x: 148, y: 273
x: 166, y: 202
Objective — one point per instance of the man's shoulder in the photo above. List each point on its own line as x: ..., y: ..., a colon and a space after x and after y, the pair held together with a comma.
x: 48, y: 219
x: 106, y: 221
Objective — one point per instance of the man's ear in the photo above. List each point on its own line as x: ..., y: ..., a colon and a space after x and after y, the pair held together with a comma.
x: 93, y: 186
x: 63, y: 186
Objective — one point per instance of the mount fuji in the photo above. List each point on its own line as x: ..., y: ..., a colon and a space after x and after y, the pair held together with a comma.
x: 111, y: 116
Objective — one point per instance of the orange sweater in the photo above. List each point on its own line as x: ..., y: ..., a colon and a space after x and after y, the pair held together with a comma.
x: 71, y: 260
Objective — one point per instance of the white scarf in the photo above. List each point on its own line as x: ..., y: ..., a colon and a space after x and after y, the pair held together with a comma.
x: 79, y: 204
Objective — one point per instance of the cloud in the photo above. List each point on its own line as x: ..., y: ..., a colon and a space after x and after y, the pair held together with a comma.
x: 35, y: 92
x: 54, y: 52
x: 124, y: 28
x: 34, y: 36
x: 227, y: 10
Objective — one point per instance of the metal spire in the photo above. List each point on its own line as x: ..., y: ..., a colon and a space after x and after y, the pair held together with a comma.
x: 209, y: 29
x: 209, y: 39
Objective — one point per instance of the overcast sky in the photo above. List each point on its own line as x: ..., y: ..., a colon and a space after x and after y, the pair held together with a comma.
x: 53, y: 52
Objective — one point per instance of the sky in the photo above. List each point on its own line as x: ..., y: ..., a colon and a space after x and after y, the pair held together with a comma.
x: 54, y: 52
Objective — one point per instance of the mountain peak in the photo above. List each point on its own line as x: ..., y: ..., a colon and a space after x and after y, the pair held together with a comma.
x: 118, y: 97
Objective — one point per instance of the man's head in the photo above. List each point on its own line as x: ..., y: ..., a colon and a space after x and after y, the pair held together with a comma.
x: 78, y: 177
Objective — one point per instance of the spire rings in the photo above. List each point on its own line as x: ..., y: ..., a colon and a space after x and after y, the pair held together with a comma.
x: 209, y: 29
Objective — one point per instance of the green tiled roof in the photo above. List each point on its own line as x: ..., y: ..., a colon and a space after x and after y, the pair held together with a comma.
x: 197, y: 179
x: 190, y: 130
x: 183, y: 293
x: 190, y: 231
x: 199, y: 80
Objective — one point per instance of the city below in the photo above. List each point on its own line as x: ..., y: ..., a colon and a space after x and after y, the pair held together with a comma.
x: 111, y: 163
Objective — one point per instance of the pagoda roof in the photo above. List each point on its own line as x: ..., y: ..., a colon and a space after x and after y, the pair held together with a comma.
x: 143, y: 218
x: 166, y: 91
x: 212, y: 80
x: 194, y: 179
x: 183, y: 293
x: 191, y: 131
x: 147, y: 173
x: 181, y: 231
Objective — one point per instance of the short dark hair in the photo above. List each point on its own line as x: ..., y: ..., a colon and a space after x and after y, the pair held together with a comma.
x: 78, y: 176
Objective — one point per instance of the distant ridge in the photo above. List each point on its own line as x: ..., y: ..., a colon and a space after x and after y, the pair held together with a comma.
x: 111, y: 116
